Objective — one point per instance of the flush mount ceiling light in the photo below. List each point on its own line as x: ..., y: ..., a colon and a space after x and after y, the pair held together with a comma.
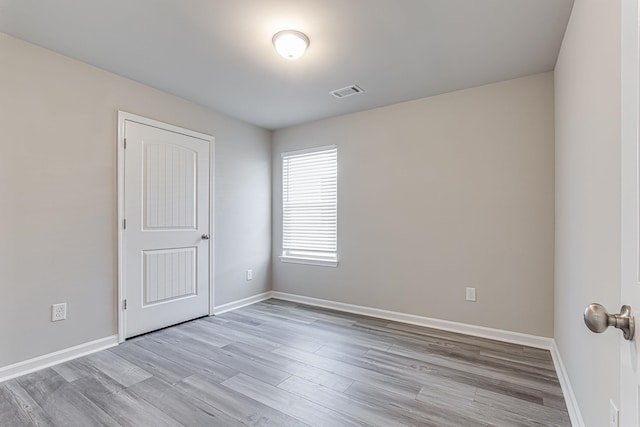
x: 290, y: 43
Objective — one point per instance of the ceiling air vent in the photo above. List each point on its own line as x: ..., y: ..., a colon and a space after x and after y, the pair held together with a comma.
x: 347, y: 91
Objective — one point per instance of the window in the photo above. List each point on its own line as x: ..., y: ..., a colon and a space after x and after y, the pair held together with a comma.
x: 309, y: 206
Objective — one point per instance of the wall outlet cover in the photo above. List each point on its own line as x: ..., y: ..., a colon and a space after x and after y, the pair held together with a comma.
x: 58, y: 312
x: 249, y: 275
x: 471, y: 294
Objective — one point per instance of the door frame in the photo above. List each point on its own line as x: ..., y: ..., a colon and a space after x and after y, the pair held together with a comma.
x: 123, y: 117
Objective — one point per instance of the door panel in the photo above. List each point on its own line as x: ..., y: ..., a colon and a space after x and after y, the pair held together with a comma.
x: 167, y: 211
x: 170, y: 199
x: 169, y: 275
x: 630, y: 286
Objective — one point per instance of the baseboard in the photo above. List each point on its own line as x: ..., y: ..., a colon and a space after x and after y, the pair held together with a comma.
x: 51, y: 359
x: 462, y: 328
x: 47, y: 360
x: 567, y: 390
x: 234, y: 305
x: 446, y: 325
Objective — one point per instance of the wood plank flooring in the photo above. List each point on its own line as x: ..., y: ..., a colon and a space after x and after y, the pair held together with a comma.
x: 278, y: 363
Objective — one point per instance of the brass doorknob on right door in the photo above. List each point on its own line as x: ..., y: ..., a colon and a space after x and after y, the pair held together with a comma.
x: 598, y: 320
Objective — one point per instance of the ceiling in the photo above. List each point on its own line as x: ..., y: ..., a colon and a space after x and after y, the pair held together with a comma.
x: 218, y: 53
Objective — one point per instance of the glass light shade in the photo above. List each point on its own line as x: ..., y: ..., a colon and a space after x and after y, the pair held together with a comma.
x: 290, y: 44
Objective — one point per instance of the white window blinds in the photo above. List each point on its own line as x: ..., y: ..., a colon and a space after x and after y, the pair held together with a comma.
x: 309, y: 205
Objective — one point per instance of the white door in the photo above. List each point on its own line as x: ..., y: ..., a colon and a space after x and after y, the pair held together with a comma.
x: 166, y: 220
x: 630, y: 287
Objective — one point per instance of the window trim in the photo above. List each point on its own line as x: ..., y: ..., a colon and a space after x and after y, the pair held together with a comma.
x: 308, y: 261
x: 285, y: 255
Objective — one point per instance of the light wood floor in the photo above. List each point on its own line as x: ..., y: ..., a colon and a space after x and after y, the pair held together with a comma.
x: 283, y: 364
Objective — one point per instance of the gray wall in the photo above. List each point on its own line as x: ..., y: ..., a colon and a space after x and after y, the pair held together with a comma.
x: 588, y: 169
x: 58, y: 237
x: 435, y: 195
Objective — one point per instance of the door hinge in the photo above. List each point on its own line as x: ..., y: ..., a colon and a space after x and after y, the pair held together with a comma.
x: 125, y: 143
x: 124, y: 304
x: 124, y: 224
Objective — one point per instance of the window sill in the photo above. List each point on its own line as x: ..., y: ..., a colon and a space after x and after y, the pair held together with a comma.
x: 308, y: 261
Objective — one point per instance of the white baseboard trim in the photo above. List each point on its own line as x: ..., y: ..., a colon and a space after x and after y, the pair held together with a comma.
x: 25, y: 367
x: 234, y: 305
x: 446, y: 325
x: 569, y: 397
x: 51, y: 359
x: 47, y: 360
x: 462, y: 328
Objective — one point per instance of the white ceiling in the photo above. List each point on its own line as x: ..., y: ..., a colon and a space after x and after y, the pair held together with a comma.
x: 218, y: 53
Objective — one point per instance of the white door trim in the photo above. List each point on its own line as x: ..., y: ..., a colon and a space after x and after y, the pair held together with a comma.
x: 122, y: 118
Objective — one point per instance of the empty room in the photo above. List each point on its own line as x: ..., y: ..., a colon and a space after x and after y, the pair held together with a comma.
x: 319, y: 213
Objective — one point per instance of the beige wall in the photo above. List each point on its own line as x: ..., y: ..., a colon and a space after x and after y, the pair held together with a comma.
x: 58, y: 197
x: 435, y: 195
x: 587, y: 105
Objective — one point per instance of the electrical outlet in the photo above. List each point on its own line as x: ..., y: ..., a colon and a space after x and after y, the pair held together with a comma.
x: 471, y: 294
x: 58, y: 312
x: 613, y: 414
x: 249, y: 275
